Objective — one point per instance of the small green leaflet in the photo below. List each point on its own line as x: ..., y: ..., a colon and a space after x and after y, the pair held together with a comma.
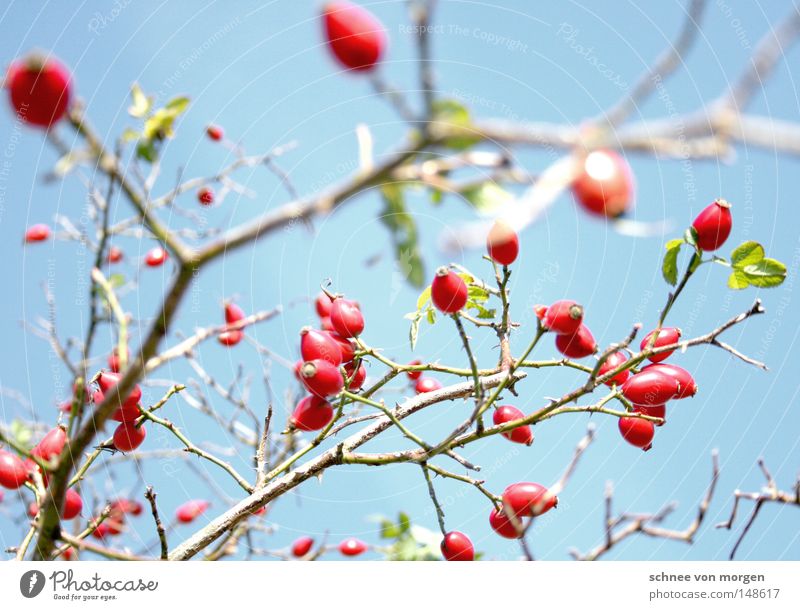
x: 140, y: 103
x: 750, y: 267
x: 487, y: 197
x: 454, y: 113
x: 403, y: 228
x: 158, y: 124
x: 669, y: 268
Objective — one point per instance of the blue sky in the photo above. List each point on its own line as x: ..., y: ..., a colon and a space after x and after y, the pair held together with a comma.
x: 259, y: 70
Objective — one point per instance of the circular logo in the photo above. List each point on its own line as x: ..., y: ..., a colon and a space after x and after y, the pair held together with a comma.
x: 31, y: 583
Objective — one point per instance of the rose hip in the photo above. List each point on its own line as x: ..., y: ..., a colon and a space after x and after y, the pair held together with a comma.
x: 507, y: 413
x: 664, y: 336
x: 563, y: 317
x: 457, y: 546
x: 448, y: 291
x: 713, y: 225
x: 578, y: 345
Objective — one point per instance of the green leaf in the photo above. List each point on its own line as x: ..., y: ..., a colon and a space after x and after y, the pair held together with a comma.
x: 141, y: 104
x: 691, y: 236
x: 424, y: 298
x: 669, y: 268
x: 403, y: 228
x: 766, y: 273
x: 738, y: 280
x: 146, y: 150
x: 389, y: 529
x: 116, y: 280
x: 130, y: 135
x: 477, y: 293
x: 178, y: 105
x: 413, y: 332
x: 487, y: 197
x: 404, y: 522
x: 483, y: 312
x: 455, y: 114
x: 748, y: 253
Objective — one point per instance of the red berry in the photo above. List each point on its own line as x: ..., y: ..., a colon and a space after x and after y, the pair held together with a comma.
x: 540, y: 311
x: 13, y: 471
x: 713, y: 225
x: 189, y: 511
x: 686, y: 385
x: 102, y: 530
x: 457, y: 547
x: 427, y: 384
x: 114, y: 360
x: 638, y: 432
x: 352, y: 547
x: 302, y: 546
x: 215, y: 133
x: 155, y: 257
x: 229, y: 338
x: 126, y: 505
x: 356, y: 377
x: 666, y: 336
x: 40, y: 90
x: 579, y: 345
x: 51, y: 445
x: 502, y: 243
x: 108, y: 381
x: 319, y: 345
x: 205, y: 195
x: 321, y: 378
x: 323, y: 305
x: 33, y: 509
x: 128, y: 437
x: 233, y: 313
x: 613, y: 361
x: 528, y: 499
x: 507, y: 413
x: 650, y: 388
x: 448, y: 291
x: 355, y: 36
x: 346, y: 318
x: 501, y: 524
x: 652, y: 411
x: 347, y: 347
x: 35, y: 233
x: 414, y: 375
x: 312, y: 413
x: 72, y: 505
x: 604, y: 185
x: 68, y: 554
x: 563, y: 317
x: 115, y: 254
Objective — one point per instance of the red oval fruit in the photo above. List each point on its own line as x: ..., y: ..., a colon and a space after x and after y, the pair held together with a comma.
x: 356, y: 377
x: 302, y: 546
x: 427, y: 384
x: 205, y: 195
x: 114, y: 361
x: 33, y: 509
x: 457, y: 546
x: 352, y: 547
x: 72, y: 505
x: 126, y: 506
x: 322, y: 304
x: 233, y: 313
x: 686, y: 385
x: 319, y: 345
x: 128, y: 437
x: 448, y: 291
x: 102, y: 530
x: 215, y: 133
x: 563, y: 317
x: 115, y: 254
x: 40, y: 90
x: 501, y: 524
x: 502, y: 243
x: 312, y: 413
x: 652, y: 411
x: 637, y: 432
x: 346, y: 346
x: 414, y: 375
x: 13, y: 472
x: 613, y: 361
x: 229, y: 338
x: 346, y: 318
x: 108, y: 381
x: 528, y: 499
x: 649, y: 388
x: 578, y: 345
x: 51, y: 445
x: 36, y: 233
x: 713, y: 225
x: 666, y: 336
x: 355, y: 36
x: 321, y: 378
x: 604, y: 184
x: 155, y: 257
x: 507, y: 413
x: 189, y: 511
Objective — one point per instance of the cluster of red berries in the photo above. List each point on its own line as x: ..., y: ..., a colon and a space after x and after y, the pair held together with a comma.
x: 130, y: 433
x: 114, y: 523
x: 328, y: 361
x: 232, y: 336
x: 565, y: 319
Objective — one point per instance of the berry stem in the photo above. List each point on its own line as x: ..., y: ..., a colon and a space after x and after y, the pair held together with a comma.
x: 434, y: 499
